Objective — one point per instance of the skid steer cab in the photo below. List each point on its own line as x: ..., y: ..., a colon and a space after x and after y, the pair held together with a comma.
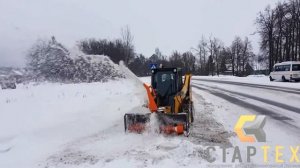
x: 170, y: 97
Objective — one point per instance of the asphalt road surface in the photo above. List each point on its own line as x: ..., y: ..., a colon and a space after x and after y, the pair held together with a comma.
x: 279, y: 103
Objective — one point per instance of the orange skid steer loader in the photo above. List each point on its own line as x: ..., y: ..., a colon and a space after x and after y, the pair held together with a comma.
x: 170, y: 97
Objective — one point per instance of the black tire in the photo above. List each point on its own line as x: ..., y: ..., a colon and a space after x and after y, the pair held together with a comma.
x: 188, y: 125
x: 283, y: 79
x: 271, y: 79
x: 191, y: 112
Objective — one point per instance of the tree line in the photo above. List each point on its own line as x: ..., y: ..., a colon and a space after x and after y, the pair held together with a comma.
x: 279, y: 29
x: 119, y: 49
x: 210, y: 57
x: 50, y: 60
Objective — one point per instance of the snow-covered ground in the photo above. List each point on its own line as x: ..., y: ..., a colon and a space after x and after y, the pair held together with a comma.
x: 38, y: 120
x: 81, y: 125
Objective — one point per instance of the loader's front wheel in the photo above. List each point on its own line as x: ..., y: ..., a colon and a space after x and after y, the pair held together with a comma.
x: 191, y: 112
x: 187, y: 133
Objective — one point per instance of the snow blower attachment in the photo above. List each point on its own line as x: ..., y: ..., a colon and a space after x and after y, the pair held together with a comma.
x: 170, y: 99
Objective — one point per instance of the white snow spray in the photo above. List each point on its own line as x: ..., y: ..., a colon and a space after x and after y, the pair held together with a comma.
x: 152, y: 126
x: 139, y: 88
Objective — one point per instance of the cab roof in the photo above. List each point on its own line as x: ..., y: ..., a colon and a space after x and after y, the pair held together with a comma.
x: 288, y: 62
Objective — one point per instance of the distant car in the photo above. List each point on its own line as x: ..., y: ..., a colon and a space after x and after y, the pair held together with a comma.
x: 286, y: 71
x: 8, y: 85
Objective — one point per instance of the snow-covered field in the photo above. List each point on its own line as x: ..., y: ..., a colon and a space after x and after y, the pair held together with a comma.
x: 81, y: 125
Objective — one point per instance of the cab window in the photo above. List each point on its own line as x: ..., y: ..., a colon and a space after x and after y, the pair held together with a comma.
x: 282, y: 68
x: 296, y: 67
x: 277, y: 68
x: 286, y: 67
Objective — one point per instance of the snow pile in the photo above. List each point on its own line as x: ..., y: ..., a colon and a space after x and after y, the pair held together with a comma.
x: 93, y: 68
x: 8, y: 71
x: 51, y: 61
x: 97, y: 67
x: 11, y: 74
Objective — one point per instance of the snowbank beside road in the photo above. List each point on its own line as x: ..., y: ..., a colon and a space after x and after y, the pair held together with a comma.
x: 36, y: 121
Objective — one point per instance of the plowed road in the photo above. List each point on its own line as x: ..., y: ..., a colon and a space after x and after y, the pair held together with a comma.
x: 278, y: 103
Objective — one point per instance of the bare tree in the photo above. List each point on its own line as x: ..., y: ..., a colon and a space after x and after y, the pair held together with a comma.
x: 188, y: 61
x: 217, y: 46
x: 176, y: 59
x: 279, y: 29
x: 248, y: 56
x: 202, y: 50
x: 236, y: 50
x: 266, y: 22
x: 127, y: 38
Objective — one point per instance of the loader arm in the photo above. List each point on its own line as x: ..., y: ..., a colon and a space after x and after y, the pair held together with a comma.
x: 183, y: 94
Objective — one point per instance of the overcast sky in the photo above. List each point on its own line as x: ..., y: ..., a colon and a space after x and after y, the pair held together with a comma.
x: 166, y: 24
